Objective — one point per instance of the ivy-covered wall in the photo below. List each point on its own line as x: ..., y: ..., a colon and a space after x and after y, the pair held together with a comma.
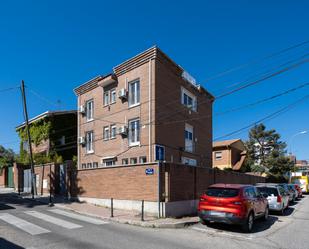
x: 48, y: 135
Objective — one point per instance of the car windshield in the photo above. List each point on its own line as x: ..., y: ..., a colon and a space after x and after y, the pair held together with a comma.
x: 291, y: 187
x: 222, y: 192
x: 268, y: 191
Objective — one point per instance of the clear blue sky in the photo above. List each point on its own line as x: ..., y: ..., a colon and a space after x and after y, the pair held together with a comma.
x: 57, y: 45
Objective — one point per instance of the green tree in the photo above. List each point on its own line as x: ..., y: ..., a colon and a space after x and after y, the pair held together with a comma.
x: 266, y: 152
x: 6, y: 157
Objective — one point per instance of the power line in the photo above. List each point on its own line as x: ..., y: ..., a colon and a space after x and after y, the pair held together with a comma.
x: 255, y: 61
x: 268, y: 117
x: 8, y: 89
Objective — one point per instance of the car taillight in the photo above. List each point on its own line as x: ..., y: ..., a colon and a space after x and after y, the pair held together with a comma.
x: 279, y: 198
x: 203, y: 198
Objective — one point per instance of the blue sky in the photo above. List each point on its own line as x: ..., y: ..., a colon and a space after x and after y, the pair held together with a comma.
x: 57, y: 45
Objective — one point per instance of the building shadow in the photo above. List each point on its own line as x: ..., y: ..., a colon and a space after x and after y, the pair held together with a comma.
x: 5, y: 244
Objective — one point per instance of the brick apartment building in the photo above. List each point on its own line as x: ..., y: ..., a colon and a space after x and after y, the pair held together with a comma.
x: 147, y: 109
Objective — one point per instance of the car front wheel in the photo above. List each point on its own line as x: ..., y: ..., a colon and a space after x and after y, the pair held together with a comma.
x: 248, y: 225
x: 266, y: 214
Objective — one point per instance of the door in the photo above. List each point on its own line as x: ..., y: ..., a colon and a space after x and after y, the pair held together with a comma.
x: 27, y: 180
x: 10, y: 177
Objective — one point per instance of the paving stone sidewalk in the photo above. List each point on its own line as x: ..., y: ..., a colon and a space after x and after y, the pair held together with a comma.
x: 120, y: 216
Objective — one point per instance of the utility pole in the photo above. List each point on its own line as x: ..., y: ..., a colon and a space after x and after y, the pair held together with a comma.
x: 33, y: 184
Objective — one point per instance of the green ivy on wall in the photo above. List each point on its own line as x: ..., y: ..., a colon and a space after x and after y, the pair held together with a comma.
x: 39, y: 131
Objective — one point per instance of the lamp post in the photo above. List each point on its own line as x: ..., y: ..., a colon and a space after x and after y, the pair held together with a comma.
x: 292, y: 137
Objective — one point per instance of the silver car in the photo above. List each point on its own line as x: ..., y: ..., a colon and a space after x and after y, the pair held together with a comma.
x: 278, y: 199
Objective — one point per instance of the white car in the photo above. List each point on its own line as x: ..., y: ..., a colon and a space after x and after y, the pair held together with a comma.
x: 277, y: 197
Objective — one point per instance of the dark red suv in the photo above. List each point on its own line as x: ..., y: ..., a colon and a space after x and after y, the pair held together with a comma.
x: 232, y: 204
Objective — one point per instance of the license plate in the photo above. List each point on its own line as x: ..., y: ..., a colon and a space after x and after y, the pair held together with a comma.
x: 215, y: 213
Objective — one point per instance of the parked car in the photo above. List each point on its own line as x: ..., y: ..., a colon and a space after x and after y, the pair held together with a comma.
x: 232, y: 204
x: 294, y: 191
x: 290, y: 192
x: 299, y: 190
x: 277, y: 197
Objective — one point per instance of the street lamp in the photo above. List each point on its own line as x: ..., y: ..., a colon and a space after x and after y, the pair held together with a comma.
x: 292, y: 137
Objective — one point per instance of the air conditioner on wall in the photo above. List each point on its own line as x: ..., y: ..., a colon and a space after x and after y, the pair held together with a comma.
x: 123, y: 130
x: 82, y: 109
x: 81, y: 140
x: 122, y: 93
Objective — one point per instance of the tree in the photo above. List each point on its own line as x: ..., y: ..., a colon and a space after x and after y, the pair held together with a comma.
x: 6, y: 157
x: 266, y: 153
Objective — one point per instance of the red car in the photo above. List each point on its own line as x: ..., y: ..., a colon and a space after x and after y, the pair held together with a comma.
x: 299, y: 190
x: 232, y: 204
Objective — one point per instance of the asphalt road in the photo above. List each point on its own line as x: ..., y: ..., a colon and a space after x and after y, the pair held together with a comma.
x: 27, y: 224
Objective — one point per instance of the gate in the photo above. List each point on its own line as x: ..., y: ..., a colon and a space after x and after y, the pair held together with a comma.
x: 27, y: 180
x: 62, y: 182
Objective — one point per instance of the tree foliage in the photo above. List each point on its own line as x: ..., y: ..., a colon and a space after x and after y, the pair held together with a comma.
x: 6, y: 157
x: 266, y: 152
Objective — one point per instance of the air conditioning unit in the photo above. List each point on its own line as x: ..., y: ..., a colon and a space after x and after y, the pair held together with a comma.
x: 122, y: 94
x: 123, y: 130
x: 82, y: 109
x: 81, y: 140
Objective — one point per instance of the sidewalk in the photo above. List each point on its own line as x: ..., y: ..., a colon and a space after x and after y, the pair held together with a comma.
x: 120, y: 216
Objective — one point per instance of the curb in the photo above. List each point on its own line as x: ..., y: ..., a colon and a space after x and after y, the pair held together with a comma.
x: 147, y: 224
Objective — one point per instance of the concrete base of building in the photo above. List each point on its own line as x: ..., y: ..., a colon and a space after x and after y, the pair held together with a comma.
x: 167, y: 209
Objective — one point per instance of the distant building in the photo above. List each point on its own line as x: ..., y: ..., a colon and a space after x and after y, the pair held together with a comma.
x: 229, y: 154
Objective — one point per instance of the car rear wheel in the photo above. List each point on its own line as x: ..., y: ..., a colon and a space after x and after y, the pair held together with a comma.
x: 204, y: 222
x: 248, y: 225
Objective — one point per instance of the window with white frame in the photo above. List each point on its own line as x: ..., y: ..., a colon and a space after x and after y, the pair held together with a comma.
x: 133, y: 160
x: 89, y: 110
x: 105, y: 132
x: 218, y: 155
x: 142, y: 159
x: 134, y: 132
x: 189, y: 144
x: 113, y: 96
x: 109, y: 162
x: 89, y: 142
x: 134, y: 93
x: 113, y: 131
x: 125, y: 161
x: 106, y: 98
x: 188, y: 99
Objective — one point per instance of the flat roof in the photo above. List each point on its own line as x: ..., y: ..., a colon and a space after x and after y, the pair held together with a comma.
x: 44, y: 115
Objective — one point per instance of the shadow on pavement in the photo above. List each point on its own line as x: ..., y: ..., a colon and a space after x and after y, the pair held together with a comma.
x: 8, y: 245
x: 9, y: 200
x: 259, y: 225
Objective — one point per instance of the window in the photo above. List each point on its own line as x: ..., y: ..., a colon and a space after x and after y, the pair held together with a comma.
x: 142, y: 159
x: 134, y: 130
x: 188, y: 99
x: 222, y: 192
x: 113, y: 131
x: 89, y: 165
x: 125, y: 161
x: 113, y: 96
x: 189, y: 145
x: 95, y: 164
x: 106, y: 133
x: 109, y: 162
x: 26, y: 146
x: 83, y: 165
x: 133, y: 160
x: 188, y: 161
x: 159, y: 153
x: 218, y: 155
x: 89, y: 110
x: 134, y: 93
x: 106, y: 98
x: 89, y: 142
